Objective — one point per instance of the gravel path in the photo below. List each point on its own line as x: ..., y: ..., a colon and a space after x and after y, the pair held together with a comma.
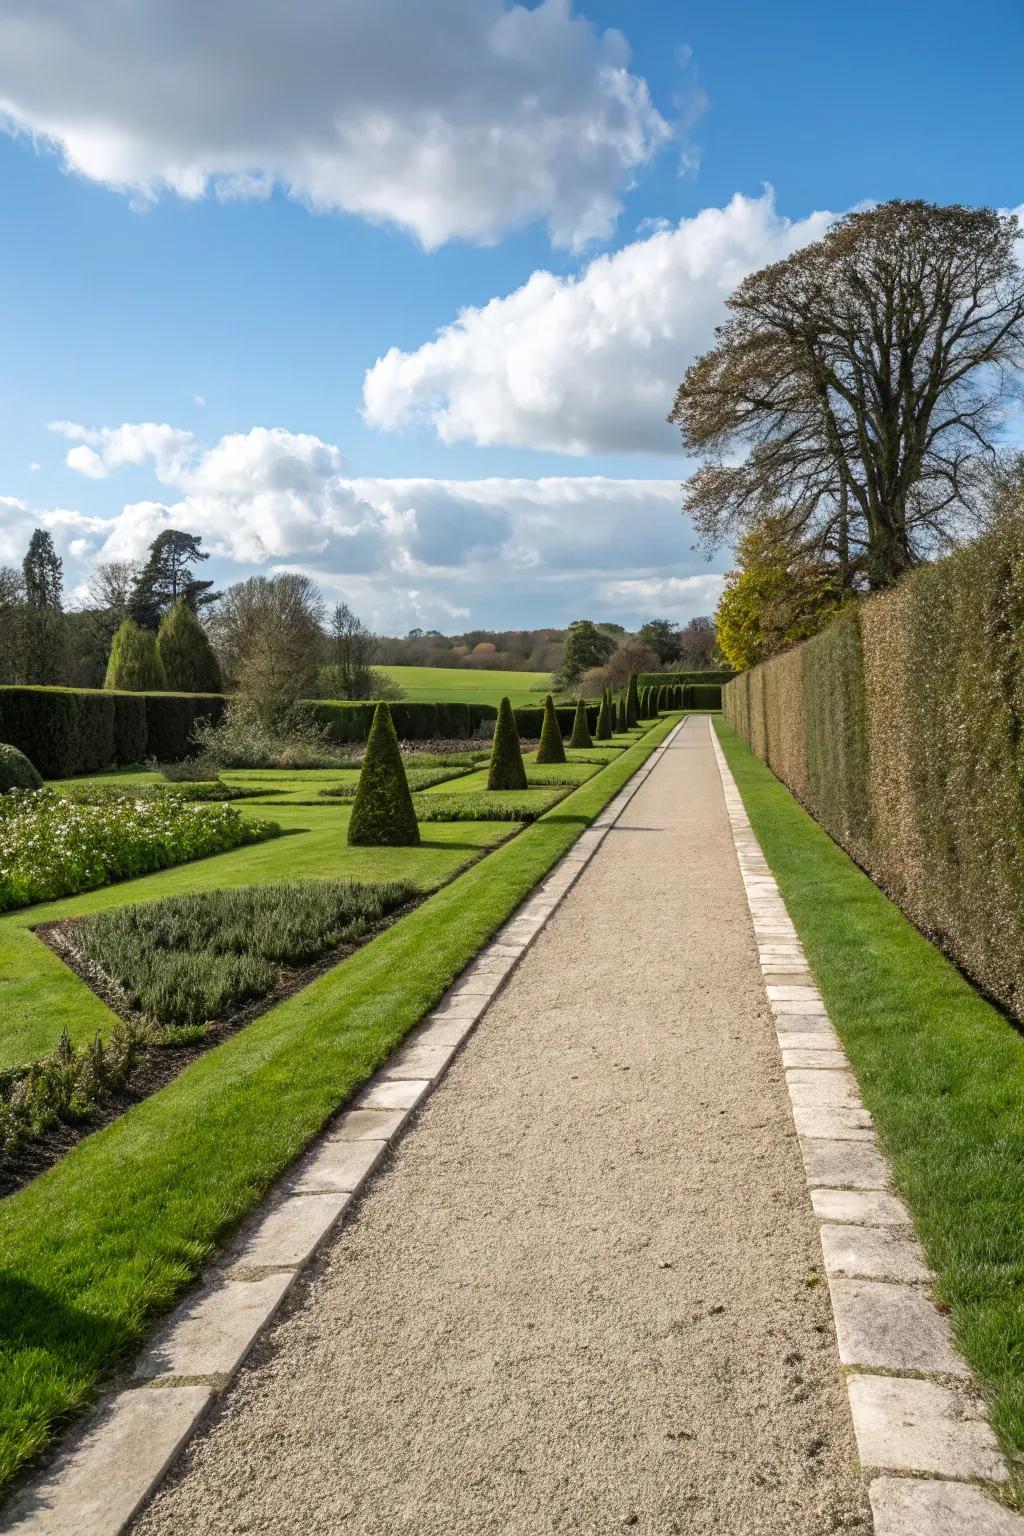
x: 581, y: 1296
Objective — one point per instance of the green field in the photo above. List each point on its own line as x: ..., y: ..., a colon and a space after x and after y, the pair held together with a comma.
x: 458, y: 685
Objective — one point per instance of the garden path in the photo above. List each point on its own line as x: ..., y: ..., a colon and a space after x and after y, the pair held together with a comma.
x: 575, y: 1298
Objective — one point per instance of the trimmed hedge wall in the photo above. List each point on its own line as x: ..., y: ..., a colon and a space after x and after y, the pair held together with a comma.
x: 668, y: 679
x: 66, y: 731
x: 901, y: 728
x: 350, y: 722
x: 530, y: 720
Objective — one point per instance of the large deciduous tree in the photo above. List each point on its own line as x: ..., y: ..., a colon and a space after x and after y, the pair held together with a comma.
x: 662, y: 637
x: 586, y: 646
x: 267, y: 632
x: 776, y: 596
x: 860, y: 385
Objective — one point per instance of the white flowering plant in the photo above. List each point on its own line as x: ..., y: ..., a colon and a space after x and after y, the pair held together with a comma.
x: 52, y: 845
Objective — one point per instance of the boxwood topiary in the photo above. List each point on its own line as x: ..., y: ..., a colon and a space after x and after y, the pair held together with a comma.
x: 506, y: 770
x: 632, y: 701
x: 604, y: 718
x: 16, y: 772
x: 622, y: 719
x: 581, y: 736
x: 550, y: 749
x: 382, y: 812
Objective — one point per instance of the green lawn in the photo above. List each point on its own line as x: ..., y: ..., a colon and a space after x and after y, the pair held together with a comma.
x: 100, y: 1244
x: 466, y: 685
x: 940, y: 1069
x: 39, y: 996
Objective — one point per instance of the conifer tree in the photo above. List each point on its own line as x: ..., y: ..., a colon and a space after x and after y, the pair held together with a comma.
x: 581, y: 736
x: 632, y: 701
x: 622, y: 719
x: 604, y: 718
x: 135, y: 665
x: 189, y: 662
x: 506, y: 770
x: 679, y: 696
x: 551, y: 749
x: 382, y: 813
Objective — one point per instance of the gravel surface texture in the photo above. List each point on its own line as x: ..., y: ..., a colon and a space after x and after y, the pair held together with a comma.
x: 585, y: 1292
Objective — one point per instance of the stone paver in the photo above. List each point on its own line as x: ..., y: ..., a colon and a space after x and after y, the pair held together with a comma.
x: 872, y: 1253
x: 907, y: 1425
x: 911, y: 1506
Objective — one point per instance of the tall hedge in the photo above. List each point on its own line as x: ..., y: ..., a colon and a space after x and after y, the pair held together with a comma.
x: 551, y: 748
x: 901, y: 728
x: 350, y: 722
x: 506, y: 770
x: 581, y: 736
x: 622, y: 714
x: 671, y: 679
x: 68, y: 731
x: 382, y: 812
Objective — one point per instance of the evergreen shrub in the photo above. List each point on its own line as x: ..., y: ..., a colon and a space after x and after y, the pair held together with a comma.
x: 581, y: 736
x: 506, y: 769
x: 632, y: 701
x: 604, y: 718
x: 134, y: 663
x: 187, y: 656
x: 382, y: 812
x: 16, y: 772
x: 551, y: 749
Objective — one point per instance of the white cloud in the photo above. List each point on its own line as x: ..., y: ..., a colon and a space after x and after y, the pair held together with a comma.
x: 503, y: 551
x: 586, y: 364
x: 198, y: 399
x: 87, y: 462
x: 454, y: 119
x: 105, y: 448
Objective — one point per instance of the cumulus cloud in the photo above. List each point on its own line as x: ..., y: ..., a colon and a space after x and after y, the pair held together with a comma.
x: 590, y: 363
x: 502, y: 551
x: 457, y: 119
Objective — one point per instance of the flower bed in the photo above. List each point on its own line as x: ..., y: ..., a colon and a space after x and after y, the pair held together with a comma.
x: 51, y: 845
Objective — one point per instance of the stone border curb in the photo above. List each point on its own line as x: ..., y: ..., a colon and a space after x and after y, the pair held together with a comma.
x: 111, y: 1465
x: 923, y: 1439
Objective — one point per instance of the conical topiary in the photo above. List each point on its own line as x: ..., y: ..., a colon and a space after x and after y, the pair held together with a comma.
x: 506, y: 770
x: 581, y: 736
x: 678, y: 701
x: 622, y: 719
x: 644, y: 708
x: 632, y: 701
x: 551, y: 749
x: 382, y: 812
x: 662, y: 700
x: 188, y: 658
x: 135, y: 664
x: 604, y: 718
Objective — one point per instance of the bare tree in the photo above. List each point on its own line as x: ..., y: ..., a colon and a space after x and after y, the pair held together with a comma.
x: 267, y: 633
x: 632, y: 656
x: 858, y: 387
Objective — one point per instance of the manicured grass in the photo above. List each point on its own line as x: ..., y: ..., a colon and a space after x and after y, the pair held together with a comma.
x: 39, y: 996
x: 465, y: 685
x: 940, y: 1069
x: 110, y: 1236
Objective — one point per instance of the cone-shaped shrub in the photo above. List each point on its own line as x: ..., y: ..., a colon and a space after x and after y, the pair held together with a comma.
x: 645, y: 704
x: 604, y: 718
x: 662, y: 700
x: 135, y: 664
x: 581, y: 736
x: 678, y: 701
x: 621, y: 718
x: 188, y: 659
x: 382, y: 812
x: 551, y: 749
x: 506, y: 770
x: 632, y: 701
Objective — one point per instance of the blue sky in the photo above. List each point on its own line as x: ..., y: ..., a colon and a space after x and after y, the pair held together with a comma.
x: 218, y: 229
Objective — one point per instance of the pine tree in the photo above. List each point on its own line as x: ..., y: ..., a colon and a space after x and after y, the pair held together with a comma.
x: 382, y: 813
x: 632, y: 701
x: 45, y: 637
x: 167, y: 575
x: 604, y: 718
x: 622, y: 721
x: 506, y: 770
x: 135, y: 665
x: 581, y: 736
x: 189, y: 662
x: 551, y: 749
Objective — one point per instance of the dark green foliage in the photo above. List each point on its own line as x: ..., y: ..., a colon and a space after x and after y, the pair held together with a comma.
x: 551, y: 749
x: 663, y: 701
x: 171, y: 719
x: 506, y: 770
x: 585, y: 646
x: 703, y: 695
x: 16, y: 772
x: 188, y: 660
x: 581, y: 736
x: 622, y: 721
x: 837, y: 749
x: 604, y: 718
x: 347, y: 721
x: 44, y: 636
x: 167, y: 576
x: 530, y: 721
x: 382, y: 813
x: 486, y: 806
x: 418, y: 778
x: 188, y: 960
x: 134, y: 664
x: 632, y: 701
x: 677, y: 696
x: 656, y: 679
x: 129, y: 729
